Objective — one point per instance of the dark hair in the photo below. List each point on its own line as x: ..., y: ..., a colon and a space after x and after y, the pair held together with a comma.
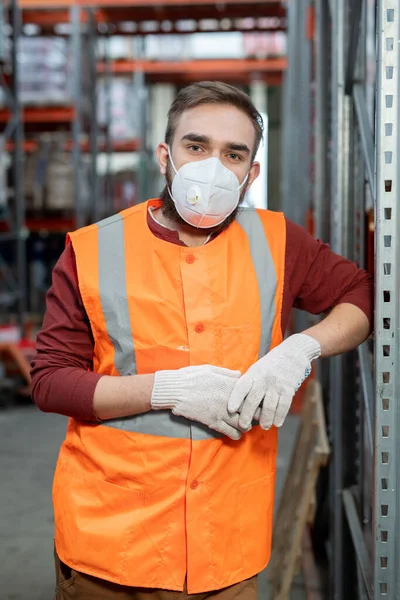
x: 213, y: 92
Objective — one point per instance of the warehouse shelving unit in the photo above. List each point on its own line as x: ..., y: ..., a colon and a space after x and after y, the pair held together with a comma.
x: 12, y: 208
x: 352, y: 112
x: 84, y: 24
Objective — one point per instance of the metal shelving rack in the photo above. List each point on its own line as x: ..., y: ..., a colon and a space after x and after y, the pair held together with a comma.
x: 12, y: 238
x: 353, y: 161
x: 84, y: 22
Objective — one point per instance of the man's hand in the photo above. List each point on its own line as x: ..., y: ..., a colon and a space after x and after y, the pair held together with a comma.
x: 199, y: 393
x: 271, y: 383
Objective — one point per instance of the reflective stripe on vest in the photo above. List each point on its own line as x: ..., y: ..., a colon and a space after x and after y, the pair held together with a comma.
x: 250, y: 221
x: 112, y: 285
x: 112, y: 278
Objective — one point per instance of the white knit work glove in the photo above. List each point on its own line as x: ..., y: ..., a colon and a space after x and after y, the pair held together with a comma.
x: 199, y: 393
x: 266, y: 391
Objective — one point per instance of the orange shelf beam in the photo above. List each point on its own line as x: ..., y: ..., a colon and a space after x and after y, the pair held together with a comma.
x: 54, y: 225
x: 107, y: 12
x: 116, y: 146
x: 54, y: 4
x: 42, y: 115
x: 125, y: 67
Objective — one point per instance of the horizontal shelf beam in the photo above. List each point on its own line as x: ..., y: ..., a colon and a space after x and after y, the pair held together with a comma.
x: 51, y: 4
x: 148, y: 67
x: 149, y: 12
x: 119, y: 146
x: 271, y: 79
x: 41, y: 115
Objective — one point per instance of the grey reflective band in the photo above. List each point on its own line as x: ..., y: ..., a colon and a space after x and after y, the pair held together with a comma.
x: 113, y: 295
x: 163, y: 423
x: 264, y: 266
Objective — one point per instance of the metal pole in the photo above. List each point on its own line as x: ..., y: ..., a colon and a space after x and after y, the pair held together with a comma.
x: 339, y: 243
x: 18, y: 168
x: 321, y: 197
x: 95, y: 208
x: 75, y: 18
x: 290, y: 106
x: 108, y: 114
x: 387, y: 314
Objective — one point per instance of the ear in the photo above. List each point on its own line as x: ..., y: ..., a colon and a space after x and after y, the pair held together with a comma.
x: 253, y: 174
x: 162, y: 157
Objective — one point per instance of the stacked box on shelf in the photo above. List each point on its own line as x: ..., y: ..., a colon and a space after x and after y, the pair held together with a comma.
x: 49, y: 177
x: 44, y: 74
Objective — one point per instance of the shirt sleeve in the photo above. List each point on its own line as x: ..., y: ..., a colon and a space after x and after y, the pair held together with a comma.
x: 317, y: 279
x: 62, y: 377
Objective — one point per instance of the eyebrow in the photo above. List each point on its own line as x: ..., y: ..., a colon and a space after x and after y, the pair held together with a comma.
x: 196, y: 137
x: 204, y: 139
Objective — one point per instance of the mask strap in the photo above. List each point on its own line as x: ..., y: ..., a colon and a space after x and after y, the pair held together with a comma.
x: 172, y: 162
x: 244, y: 181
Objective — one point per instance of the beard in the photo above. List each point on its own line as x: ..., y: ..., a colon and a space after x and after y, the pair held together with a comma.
x: 169, y: 209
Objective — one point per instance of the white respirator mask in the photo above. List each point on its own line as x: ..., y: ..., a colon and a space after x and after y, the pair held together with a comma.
x: 205, y: 192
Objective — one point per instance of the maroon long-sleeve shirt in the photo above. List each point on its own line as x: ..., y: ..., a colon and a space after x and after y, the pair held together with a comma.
x: 63, y: 382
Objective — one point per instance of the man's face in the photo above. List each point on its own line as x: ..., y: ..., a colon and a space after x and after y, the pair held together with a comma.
x: 207, y: 131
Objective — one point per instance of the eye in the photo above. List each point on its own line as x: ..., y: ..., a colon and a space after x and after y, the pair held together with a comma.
x: 234, y: 157
x: 195, y: 148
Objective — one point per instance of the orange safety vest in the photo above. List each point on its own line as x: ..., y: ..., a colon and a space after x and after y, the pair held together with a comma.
x: 151, y: 499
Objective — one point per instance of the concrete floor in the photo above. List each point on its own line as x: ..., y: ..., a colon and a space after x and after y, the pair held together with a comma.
x: 29, y: 444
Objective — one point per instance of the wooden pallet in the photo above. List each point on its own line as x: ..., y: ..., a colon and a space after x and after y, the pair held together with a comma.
x: 297, y: 506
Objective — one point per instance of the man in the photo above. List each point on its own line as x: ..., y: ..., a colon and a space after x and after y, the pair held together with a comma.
x: 163, y: 341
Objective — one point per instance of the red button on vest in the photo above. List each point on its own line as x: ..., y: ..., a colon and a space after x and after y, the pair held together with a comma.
x: 199, y: 328
x: 190, y: 259
x: 194, y: 484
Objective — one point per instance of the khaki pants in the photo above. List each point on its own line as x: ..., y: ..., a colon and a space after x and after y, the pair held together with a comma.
x: 71, y: 585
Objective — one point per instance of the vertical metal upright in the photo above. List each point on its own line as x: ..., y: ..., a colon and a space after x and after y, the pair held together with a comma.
x: 322, y: 131
x: 387, y: 324
x: 13, y: 269
x: 290, y: 117
x: 76, y: 43
x: 141, y: 97
x: 296, y: 129
x: 109, y: 180
x: 96, y: 208
x: 342, y: 418
x: 336, y: 363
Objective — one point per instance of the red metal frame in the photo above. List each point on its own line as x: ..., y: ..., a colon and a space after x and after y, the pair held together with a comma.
x: 269, y: 65
x: 146, y: 11
x: 47, y: 114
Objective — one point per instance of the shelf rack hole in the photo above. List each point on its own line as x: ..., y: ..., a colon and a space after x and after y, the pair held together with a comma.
x: 385, y: 483
x: 389, y: 100
x: 388, y: 157
x: 386, y: 295
x: 386, y: 377
x: 384, y: 588
x: 385, y: 404
x: 385, y: 458
x: 390, y: 15
x: 388, y: 213
x: 389, y: 72
x: 386, y: 323
x: 384, y: 510
x: 388, y: 129
x: 384, y: 536
x: 387, y: 268
x: 389, y: 44
x: 388, y: 185
x: 384, y: 562
x: 385, y: 431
